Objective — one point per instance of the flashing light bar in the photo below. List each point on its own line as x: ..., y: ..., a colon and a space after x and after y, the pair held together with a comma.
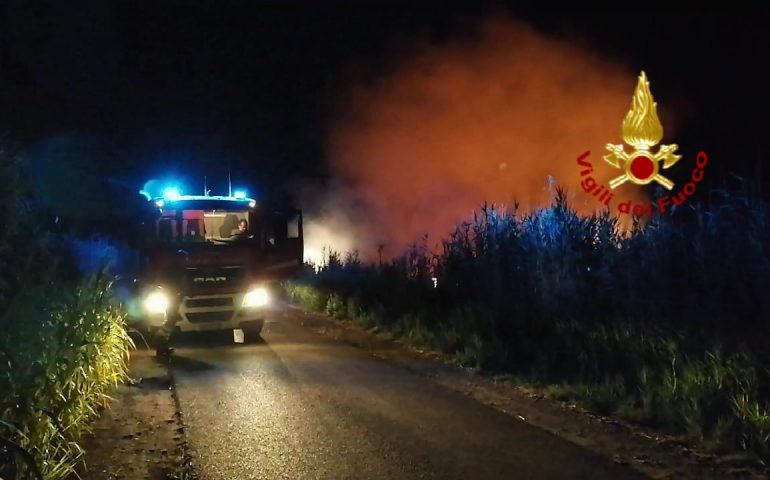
x: 164, y: 201
x: 171, y: 193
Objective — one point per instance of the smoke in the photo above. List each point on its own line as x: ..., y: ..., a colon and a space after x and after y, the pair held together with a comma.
x: 329, y: 224
x: 496, y: 116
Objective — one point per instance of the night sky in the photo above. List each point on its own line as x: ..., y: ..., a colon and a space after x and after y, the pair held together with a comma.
x: 142, y: 89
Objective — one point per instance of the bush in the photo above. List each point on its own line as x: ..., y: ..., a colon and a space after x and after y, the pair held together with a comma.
x: 63, y: 342
x: 664, y: 324
x: 62, y: 352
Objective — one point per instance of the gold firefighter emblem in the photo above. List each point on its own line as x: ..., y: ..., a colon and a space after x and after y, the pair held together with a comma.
x: 642, y: 131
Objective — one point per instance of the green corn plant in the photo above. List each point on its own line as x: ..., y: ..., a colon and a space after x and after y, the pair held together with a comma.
x: 64, y: 352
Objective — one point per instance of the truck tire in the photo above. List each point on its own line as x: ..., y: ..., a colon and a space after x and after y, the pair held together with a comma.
x: 252, y: 332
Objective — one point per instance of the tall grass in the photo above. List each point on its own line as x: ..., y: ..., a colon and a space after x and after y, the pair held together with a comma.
x: 61, y: 352
x: 63, y: 341
x: 665, y: 325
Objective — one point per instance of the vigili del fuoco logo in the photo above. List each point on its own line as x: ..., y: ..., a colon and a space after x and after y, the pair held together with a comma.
x: 639, y: 161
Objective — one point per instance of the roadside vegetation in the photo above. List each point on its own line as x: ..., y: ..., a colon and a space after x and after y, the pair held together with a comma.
x: 63, y: 342
x: 665, y: 326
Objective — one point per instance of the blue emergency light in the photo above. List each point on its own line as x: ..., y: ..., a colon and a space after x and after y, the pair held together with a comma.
x: 171, y: 193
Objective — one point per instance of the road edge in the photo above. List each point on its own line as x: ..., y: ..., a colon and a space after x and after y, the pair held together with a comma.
x: 651, y: 453
x: 141, y: 433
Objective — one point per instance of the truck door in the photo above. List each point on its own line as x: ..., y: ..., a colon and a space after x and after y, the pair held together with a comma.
x: 283, y: 242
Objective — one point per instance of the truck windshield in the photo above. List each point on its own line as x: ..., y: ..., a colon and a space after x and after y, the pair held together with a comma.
x: 215, y: 226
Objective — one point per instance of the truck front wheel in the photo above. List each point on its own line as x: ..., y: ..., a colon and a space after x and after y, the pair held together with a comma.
x: 252, y: 331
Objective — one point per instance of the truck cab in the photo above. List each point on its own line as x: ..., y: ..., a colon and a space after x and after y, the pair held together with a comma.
x: 215, y: 262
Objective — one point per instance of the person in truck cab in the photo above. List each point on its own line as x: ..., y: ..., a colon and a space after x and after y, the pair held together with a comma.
x: 243, y: 227
x: 241, y: 233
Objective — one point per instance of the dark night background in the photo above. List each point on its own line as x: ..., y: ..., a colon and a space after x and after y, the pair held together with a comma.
x: 148, y: 89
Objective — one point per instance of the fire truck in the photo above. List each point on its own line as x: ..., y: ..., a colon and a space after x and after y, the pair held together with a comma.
x: 213, y: 262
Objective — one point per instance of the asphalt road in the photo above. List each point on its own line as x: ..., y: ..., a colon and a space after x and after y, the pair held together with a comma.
x: 301, y: 406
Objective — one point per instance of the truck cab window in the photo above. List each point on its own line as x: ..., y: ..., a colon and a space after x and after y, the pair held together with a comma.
x: 166, y: 230
x: 293, y: 226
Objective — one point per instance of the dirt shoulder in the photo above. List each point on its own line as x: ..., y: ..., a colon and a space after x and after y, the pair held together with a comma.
x: 651, y: 453
x: 141, y: 434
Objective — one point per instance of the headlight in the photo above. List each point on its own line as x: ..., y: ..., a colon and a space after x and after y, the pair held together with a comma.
x: 256, y: 297
x: 156, y: 302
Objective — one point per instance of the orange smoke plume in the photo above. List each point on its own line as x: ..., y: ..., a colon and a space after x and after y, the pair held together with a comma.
x: 498, y: 117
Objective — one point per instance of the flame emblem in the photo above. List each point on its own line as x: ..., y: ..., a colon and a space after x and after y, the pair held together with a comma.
x: 642, y: 130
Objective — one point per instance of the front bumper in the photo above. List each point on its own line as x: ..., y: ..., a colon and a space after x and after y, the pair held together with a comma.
x: 213, y: 312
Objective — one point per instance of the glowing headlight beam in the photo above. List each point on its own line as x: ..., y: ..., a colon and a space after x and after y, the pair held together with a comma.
x: 256, y: 297
x: 156, y: 302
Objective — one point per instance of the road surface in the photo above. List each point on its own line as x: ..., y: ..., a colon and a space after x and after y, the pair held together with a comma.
x: 299, y: 405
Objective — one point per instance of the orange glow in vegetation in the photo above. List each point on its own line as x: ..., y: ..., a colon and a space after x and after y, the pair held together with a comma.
x: 497, y: 116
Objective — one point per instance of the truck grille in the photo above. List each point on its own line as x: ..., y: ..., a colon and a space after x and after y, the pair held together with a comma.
x: 209, y: 302
x: 214, y: 277
x: 197, y: 317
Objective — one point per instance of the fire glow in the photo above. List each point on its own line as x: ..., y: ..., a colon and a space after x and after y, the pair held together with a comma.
x: 489, y: 117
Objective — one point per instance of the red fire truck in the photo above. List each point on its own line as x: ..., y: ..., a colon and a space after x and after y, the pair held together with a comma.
x: 214, y: 262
